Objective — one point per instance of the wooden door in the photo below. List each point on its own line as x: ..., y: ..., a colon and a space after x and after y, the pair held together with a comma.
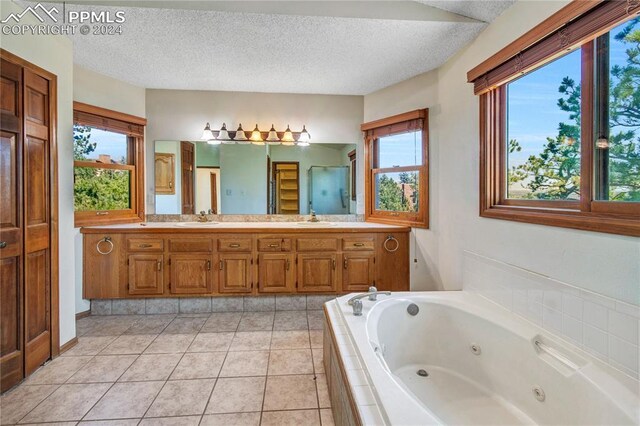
x: 235, y: 273
x: 165, y: 169
x: 317, y: 272
x: 37, y: 221
x: 11, y: 289
x: 276, y: 273
x: 358, y: 272
x: 145, y: 274
x: 187, y: 160
x: 190, y: 273
x: 214, y: 193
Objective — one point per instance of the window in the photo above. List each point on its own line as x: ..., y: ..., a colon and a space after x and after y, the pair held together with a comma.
x: 560, y: 122
x: 396, y: 150
x: 108, y: 151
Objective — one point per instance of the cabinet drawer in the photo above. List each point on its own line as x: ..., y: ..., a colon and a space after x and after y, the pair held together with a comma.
x: 358, y: 243
x: 234, y: 244
x: 145, y: 244
x: 190, y: 245
x: 274, y: 244
x: 317, y: 244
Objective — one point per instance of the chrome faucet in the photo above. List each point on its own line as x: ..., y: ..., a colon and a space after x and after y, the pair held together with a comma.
x: 203, y: 217
x: 372, y: 294
x: 313, y: 217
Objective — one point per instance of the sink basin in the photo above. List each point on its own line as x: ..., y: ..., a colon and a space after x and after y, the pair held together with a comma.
x: 315, y: 224
x: 196, y: 224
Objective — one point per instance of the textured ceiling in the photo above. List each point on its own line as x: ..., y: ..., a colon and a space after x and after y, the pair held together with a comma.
x: 482, y: 10
x: 182, y: 48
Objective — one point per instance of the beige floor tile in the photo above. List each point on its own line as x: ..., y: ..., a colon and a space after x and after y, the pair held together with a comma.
x: 150, y: 324
x: 326, y: 417
x: 291, y: 418
x: 323, y: 391
x: 89, y: 345
x: 231, y: 419
x: 251, y: 341
x: 67, y: 403
x: 204, y: 365
x: 290, y: 340
x: 222, y: 321
x: 237, y: 395
x: 50, y: 424
x: 291, y: 320
x: 151, y: 367
x: 129, y: 344
x: 170, y: 343
x: 107, y: 368
x: 125, y: 400
x: 316, y: 338
x: 16, y: 403
x: 114, y: 329
x: 290, y: 361
x: 185, y: 325
x: 172, y: 421
x: 58, y: 371
x: 249, y: 363
x: 318, y: 360
x: 182, y: 398
x: 256, y: 321
x: 211, y: 342
x: 290, y: 393
x: 120, y: 422
x: 316, y: 320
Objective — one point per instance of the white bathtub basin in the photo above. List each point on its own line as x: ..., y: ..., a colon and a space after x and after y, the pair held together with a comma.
x: 465, y: 360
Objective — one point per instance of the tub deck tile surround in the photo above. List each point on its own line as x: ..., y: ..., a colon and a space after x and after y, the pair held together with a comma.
x: 171, y: 369
x: 606, y: 328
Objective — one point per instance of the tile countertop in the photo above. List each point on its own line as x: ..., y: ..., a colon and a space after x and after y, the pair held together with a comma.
x: 245, y: 227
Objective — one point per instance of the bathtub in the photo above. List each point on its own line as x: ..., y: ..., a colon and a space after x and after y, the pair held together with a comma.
x: 464, y: 360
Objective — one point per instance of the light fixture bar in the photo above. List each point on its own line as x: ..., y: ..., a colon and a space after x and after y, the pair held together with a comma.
x: 256, y: 136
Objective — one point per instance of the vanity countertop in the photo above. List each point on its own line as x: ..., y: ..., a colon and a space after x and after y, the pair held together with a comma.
x: 246, y: 227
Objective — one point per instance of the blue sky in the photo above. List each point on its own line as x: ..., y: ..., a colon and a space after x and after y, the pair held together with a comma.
x: 404, y: 149
x: 114, y: 144
x: 533, y: 111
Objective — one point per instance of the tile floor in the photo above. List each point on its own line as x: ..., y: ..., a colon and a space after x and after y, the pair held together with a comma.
x: 199, y: 369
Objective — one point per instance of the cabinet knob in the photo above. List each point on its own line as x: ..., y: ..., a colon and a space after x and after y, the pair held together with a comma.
x: 3, y: 244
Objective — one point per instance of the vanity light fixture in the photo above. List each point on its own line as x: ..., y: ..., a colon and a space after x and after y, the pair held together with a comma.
x: 287, y: 138
x: 256, y: 137
x: 223, y: 134
x: 207, y: 134
x: 272, y: 137
x: 240, y: 137
x: 304, y: 138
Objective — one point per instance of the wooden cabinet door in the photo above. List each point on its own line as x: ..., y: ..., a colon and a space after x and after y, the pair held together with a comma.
x: 358, y: 271
x: 187, y: 161
x: 165, y: 168
x: 317, y: 272
x: 190, y: 274
x: 145, y: 274
x: 276, y: 273
x: 235, y: 273
x: 11, y: 296
x: 37, y: 222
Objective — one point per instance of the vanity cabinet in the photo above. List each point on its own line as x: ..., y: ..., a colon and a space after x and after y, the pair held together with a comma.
x: 162, y: 261
x: 235, y: 273
x: 145, y: 274
x: 317, y: 272
x: 276, y: 273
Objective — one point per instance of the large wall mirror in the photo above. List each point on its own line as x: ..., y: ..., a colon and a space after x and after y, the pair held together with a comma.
x: 192, y: 177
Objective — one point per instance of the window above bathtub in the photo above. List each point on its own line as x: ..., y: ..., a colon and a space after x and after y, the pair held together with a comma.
x: 396, y: 169
x: 560, y: 122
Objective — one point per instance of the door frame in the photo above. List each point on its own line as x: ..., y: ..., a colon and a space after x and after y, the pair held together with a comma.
x: 214, y: 192
x: 54, y: 309
x: 192, y: 166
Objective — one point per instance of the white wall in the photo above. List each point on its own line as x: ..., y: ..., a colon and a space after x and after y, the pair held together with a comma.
x: 99, y: 90
x: 603, y: 263
x: 54, y: 54
x: 182, y: 114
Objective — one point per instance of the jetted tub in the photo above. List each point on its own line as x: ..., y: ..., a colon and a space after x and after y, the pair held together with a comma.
x: 464, y: 360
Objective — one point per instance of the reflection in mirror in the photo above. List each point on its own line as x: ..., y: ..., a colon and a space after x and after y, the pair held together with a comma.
x: 252, y: 179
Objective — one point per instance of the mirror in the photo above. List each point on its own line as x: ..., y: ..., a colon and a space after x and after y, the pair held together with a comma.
x: 191, y: 177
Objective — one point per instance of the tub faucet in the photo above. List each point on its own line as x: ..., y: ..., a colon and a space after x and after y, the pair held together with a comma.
x: 372, y: 294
